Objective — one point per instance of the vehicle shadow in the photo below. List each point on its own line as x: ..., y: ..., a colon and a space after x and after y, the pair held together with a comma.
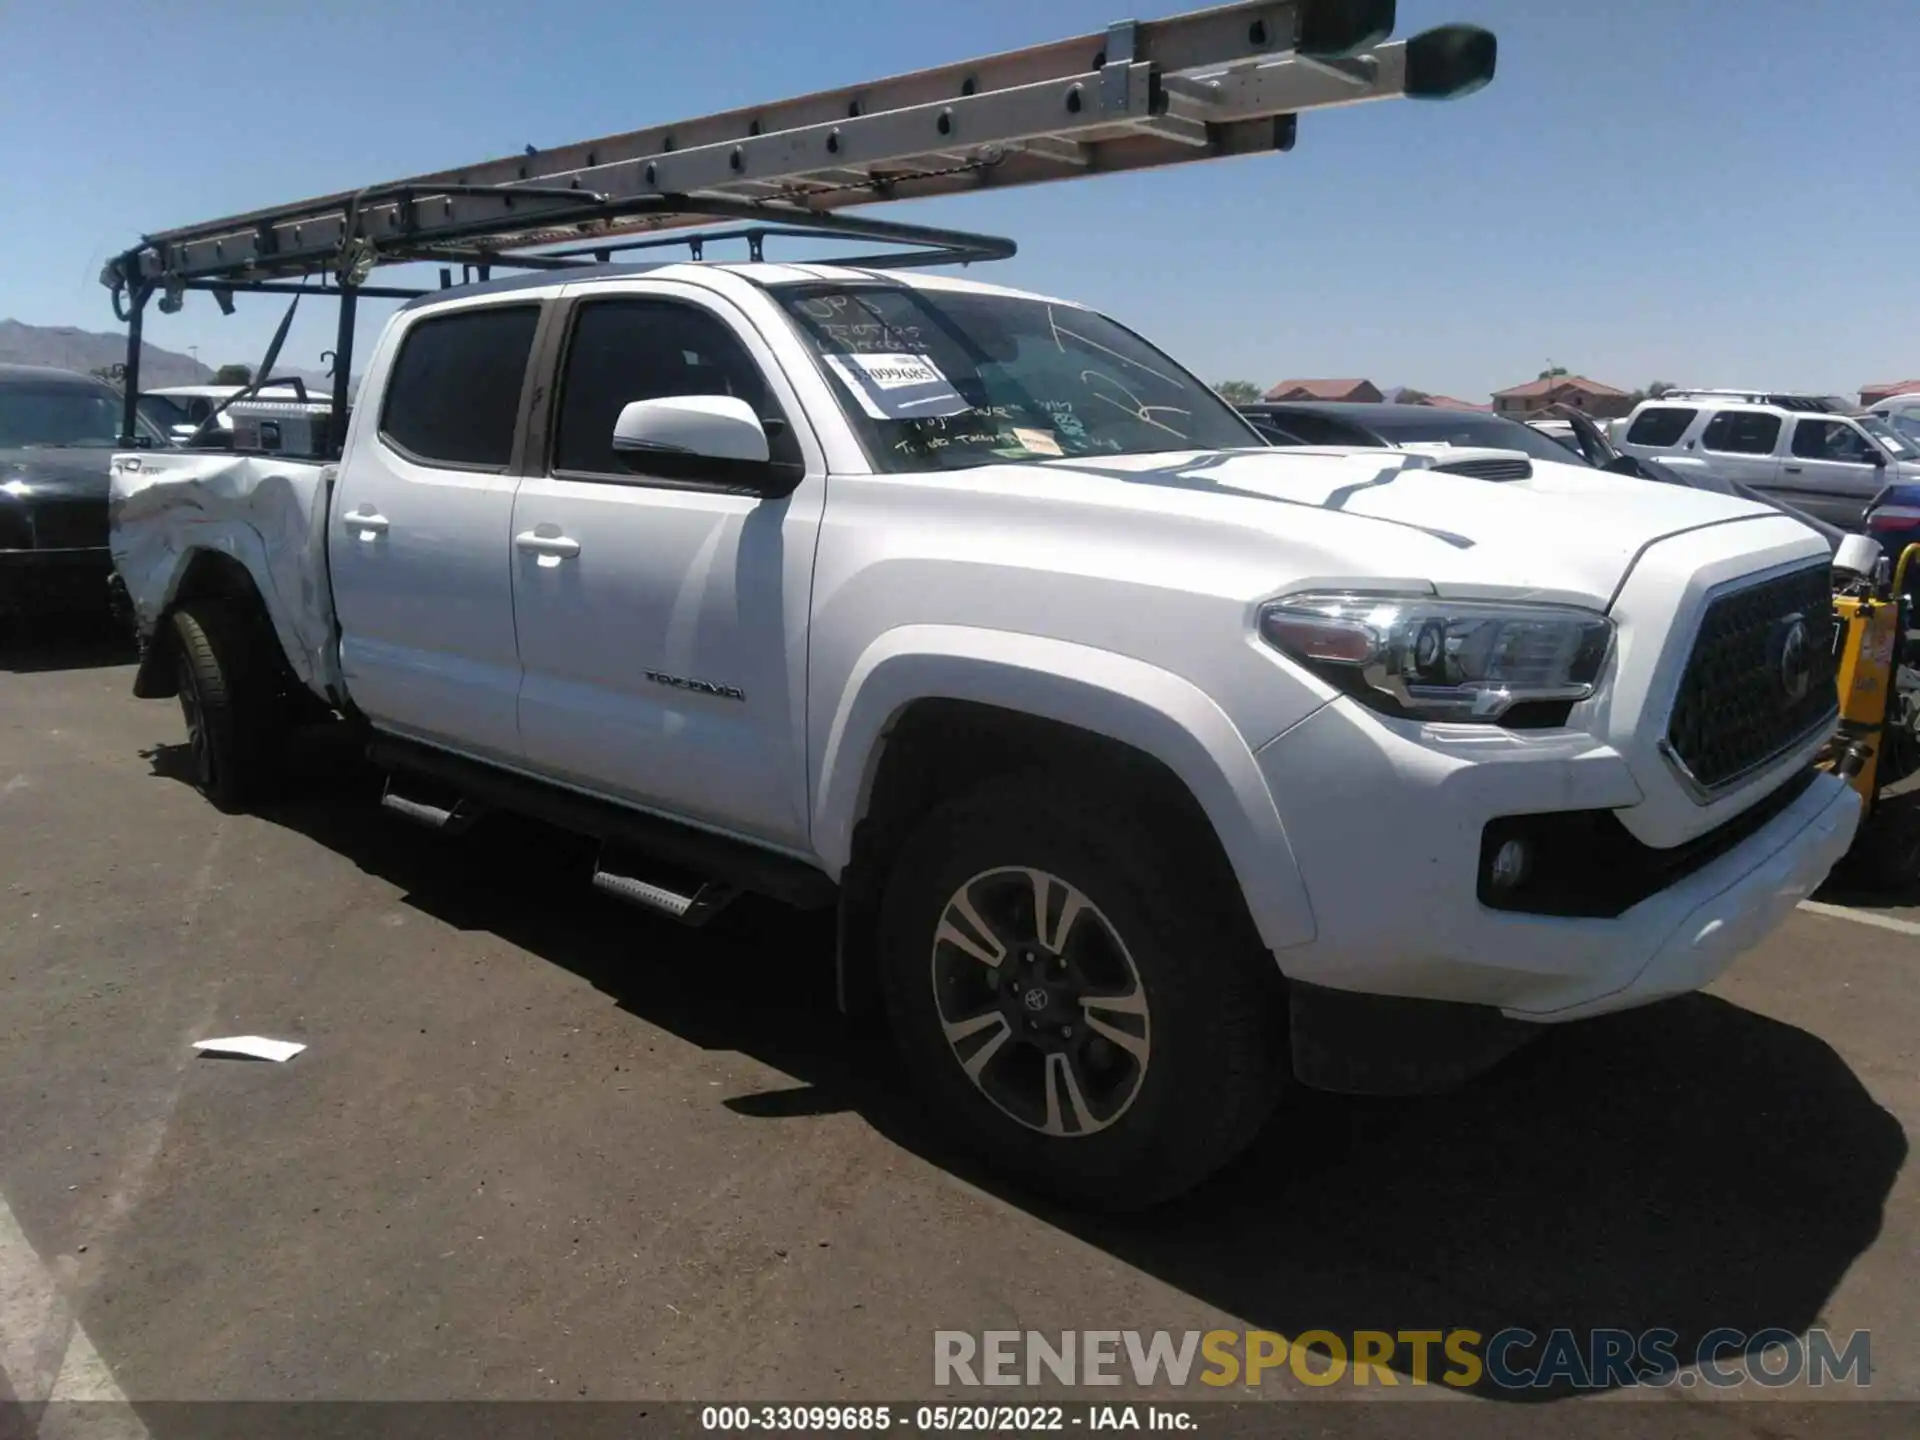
x: 1685, y: 1167
x: 81, y: 642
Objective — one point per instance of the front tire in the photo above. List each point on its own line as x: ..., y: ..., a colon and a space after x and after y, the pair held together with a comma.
x: 1079, y: 998
x: 228, y: 700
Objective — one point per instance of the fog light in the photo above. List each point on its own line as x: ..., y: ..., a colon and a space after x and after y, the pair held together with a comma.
x: 1511, y: 862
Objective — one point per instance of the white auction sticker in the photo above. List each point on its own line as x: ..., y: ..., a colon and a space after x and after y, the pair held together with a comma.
x: 1037, y: 442
x: 898, y: 387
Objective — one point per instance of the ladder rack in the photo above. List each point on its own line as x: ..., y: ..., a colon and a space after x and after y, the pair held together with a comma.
x: 1226, y: 81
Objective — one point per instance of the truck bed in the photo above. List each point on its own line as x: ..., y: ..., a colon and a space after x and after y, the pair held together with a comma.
x: 265, y: 512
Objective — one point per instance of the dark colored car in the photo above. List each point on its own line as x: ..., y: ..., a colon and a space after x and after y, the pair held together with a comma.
x: 1305, y: 423
x: 58, y: 432
x: 1893, y: 519
x: 1291, y: 422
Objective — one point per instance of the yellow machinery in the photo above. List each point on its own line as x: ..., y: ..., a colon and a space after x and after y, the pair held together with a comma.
x: 1869, y: 636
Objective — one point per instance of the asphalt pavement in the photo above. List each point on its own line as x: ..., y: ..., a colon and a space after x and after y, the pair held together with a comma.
x: 543, y: 1146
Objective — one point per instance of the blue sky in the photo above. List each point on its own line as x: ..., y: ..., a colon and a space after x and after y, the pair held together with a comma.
x: 1698, y: 191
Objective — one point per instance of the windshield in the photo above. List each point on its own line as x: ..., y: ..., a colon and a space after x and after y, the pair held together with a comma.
x: 940, y: 380
x: 163, y: 410
x: 33, y: 415
x: 1899, y: 444
x: 1429, y: 425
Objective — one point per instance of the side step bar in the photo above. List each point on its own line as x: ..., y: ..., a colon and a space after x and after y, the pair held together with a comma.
x: 732, y: 865
x: 692, y: 910
x: 449, y: 814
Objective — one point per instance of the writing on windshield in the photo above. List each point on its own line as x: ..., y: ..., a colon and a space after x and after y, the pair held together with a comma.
x: 940, y: 379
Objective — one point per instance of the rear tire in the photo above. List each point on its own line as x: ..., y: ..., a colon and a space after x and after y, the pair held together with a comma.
x: 1080, y: 1001
x: 229, y: 698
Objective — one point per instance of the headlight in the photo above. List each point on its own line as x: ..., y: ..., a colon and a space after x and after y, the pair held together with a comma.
x: 1442, y: 659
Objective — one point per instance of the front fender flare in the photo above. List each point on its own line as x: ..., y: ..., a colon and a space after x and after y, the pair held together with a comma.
x: 1126, y: 700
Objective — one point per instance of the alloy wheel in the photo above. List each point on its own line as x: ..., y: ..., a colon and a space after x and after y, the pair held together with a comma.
x: 1041, y: 1003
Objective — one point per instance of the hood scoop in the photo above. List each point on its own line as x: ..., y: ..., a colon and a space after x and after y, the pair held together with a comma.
x: 1493, y: 468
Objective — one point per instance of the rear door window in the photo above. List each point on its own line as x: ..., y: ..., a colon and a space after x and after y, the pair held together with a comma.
x: 1662, y: 425
x: 453, y: 397
x: 1741, y: 432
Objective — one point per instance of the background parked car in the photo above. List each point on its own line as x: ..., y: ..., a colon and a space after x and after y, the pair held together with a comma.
x: 58, y: 432
x: 180, y: 410
x: 1306, y: 422
x: 1902, y: 412
x: 1561, y: 432
x: 1399, y: 426
x: 1791, y: 448
x: 1894, y: 520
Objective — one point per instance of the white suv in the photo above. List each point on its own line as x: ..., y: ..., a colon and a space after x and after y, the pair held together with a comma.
x: 1902, y: 412
x: 1793, y: 448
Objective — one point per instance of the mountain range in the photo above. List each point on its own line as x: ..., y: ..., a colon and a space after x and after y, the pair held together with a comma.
x: 67, y: 347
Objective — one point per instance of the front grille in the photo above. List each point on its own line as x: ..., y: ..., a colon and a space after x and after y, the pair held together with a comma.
x: 1489, y: 469
x: 69, y: 524
x: 1735, y: 709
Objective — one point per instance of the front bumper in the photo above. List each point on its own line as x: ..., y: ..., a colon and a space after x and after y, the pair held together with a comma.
x: 1386, y: 818
x: 52, y: 582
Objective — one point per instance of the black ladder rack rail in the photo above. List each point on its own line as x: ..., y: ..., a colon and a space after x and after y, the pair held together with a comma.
x: 1226, y: 81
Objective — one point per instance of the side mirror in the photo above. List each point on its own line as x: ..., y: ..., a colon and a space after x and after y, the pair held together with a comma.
x: 714, y: 439
x: 1623, y: 465
x: 1876, y: 459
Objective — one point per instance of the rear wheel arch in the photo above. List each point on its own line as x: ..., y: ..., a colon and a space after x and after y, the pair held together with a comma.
x: 206, y: 575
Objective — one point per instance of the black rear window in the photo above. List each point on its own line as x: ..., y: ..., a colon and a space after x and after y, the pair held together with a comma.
x: 1662, y: 425
x: 1431, y: 425
x: 454, y: 395
x: 1312, y: 429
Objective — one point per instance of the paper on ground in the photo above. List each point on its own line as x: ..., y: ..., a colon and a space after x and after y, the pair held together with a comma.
x: 254, y: 1047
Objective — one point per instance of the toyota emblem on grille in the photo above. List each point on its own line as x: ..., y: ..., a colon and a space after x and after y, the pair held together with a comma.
x: 1793, y: 658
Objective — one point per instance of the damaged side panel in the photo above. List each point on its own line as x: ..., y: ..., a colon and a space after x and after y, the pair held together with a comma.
x: 268, y: 515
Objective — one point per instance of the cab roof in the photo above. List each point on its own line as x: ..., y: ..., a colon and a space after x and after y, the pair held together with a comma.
x: 764, y: 274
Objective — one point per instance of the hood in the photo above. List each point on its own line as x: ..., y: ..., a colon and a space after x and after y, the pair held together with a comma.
x: 1568, y: 532
x: 76, y: 474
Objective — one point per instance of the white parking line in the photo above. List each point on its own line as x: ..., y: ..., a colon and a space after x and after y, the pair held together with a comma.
x: 31, y: 1311
x: 46, y: 1355
x: 1862, y: 917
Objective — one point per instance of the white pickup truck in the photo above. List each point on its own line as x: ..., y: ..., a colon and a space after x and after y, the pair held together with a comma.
x: 1149, y: 767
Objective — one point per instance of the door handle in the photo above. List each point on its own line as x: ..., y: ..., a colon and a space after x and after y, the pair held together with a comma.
x: 1791, y: 469
x: 563, y: 547
x: 372, y: 522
